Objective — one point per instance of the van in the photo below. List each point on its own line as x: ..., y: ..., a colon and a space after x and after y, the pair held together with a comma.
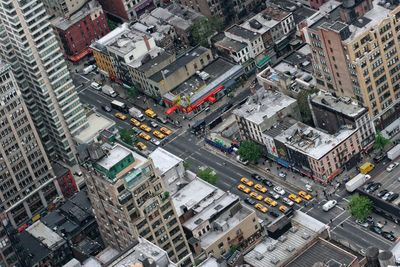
x: 150, y: 113
x: 366, y: 167
x: 89, y: 69
x: 329, y: 205
x: 95, y: 86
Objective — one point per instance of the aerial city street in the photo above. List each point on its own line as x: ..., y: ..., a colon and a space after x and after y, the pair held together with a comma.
x: 200, y: 133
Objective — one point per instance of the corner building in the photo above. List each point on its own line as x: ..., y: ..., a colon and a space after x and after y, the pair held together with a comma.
x: 130, y: 201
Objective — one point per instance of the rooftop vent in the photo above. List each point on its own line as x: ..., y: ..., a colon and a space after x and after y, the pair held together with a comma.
x: 294, y: 229
x: 305, y: 236
x: 289, y: 248
x: 271, y: 247
x: 282, y: 238
x: 259, y: 256
x: 255, y: 24
x: 198, y: 221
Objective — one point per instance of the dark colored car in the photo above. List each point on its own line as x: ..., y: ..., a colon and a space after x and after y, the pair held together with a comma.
x: 250, y: 201
x: 389, y: 236
x: 268, y: 183
x: 376, y: 229
x: 255, y: 176
x: 274, y: 214
x: 106, y: 108
x: 379, y: 158
x: 374, y: 187
x: 392, y: 197
x: 382, y: 193
x: 369, y: 219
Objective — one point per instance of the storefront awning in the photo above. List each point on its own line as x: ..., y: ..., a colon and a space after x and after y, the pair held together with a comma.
x: 171, y: 110
x: 263, y: 61
x: 81, y: 55
x: 211, y: 99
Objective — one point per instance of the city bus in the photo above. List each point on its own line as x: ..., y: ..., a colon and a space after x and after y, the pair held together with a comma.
x: 117, y: 105
x: 198, y: 126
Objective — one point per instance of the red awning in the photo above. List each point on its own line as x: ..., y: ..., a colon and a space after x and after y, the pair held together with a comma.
x: 81, y: 55
x: 211, y: 99
x: 22, y: 228
x: 171, y: 110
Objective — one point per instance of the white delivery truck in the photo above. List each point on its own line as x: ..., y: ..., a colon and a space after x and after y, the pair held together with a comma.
x: 393, y: 153
x: 89, y: 69
x: 136, y: 113
x: 357, y: 181
x: 329, y: 205
x: 108, y: 90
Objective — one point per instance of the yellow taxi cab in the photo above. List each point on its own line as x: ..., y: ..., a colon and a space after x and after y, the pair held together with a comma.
x: 243, y: 188
x: 158, y: 134
x: 261, y: 208
x: 165, y: 130
x: 294, y: 198
x: 256, y: 196
x: 145, y: 128
x: 247, y: 181
x: 260, y: 188
x: 305, y: 195
x: 283, y: 208
x: 135, y: 122
x: 270, y: 201
x: 144, y: 136
x: 149, y: 112
x: 120, y: 116
x: 141, y: 146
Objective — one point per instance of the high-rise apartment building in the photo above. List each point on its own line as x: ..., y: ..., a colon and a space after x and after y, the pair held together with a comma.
x: 63, y: 8
x: 29, y: 44
x: 130, y: 200
x: 355, y: 50
x: 27, y: 181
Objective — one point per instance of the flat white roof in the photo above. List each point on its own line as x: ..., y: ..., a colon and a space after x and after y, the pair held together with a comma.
x: 45, y: 235
x: 116, y: 154
x: 97, y: 123
x: 310, y: 141
x: 209, y: 262
x: 164, y: 160
x: 198, y: 194
x: 263, y: 105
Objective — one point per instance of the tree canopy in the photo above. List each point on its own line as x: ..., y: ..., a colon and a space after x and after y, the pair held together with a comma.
x: 302, y: 101
x: 360, y: 206
x: 380, y: 141
x: 204, y: 28
x: 126, y: 136
x: 208, y: 175
x: 250, y: 150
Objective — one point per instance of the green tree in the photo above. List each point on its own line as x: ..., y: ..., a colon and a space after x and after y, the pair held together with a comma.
x: 302, y: 102
x: 380, y: 141
x: 208, y: 175
x: 360, y: 206
x: 132, y: 92
x: 126, y: 136
x: 186, y: 165
x: 203, y: 28
x: 250, y: 150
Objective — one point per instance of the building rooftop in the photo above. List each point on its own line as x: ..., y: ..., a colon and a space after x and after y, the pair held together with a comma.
x: 164, y: 160
x: 64, y: 23
x: 115, y: 155
x: 33, y: 247
x: 177, y: 15
x: 180, y: 62
x: 325, y: 252
x: 219, y: 204
x: 47, y: 237
x: 196, y: 195
x: 277, y: 252
x: 139, y: 253
x: 281, y: 127
x: 310, y: 141
x: 231, y: 45
x: 210, y: 262
x: 262, y: 105
x: 96, y: 124
x: 151, y: 62
x: 369, y: 20
x: 343, y: 105
x: 242, y: 32
x: 59, y: 170
x: 300, y: 12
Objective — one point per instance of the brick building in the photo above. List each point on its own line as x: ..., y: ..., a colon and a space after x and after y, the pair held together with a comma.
x: 65, y: 180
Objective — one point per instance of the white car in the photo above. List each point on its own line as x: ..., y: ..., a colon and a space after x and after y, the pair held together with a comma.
x: 392, y: 166
x: 308, y: 187
x: 288, y: 201
x: 387, y: 195
x: 275, y: 195
x: 153, y: 124
x: 279, y: 190
x: 95, y: 86
x: 155, y: 142
x: 282, y: 174
x: 329, y: 205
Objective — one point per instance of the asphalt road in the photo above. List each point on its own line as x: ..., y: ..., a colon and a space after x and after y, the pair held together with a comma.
x: 192, y: 150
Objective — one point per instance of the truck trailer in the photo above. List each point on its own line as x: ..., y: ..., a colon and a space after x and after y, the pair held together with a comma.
x: 136, y: 113
x: 393, y: 153
x: 356, y: 182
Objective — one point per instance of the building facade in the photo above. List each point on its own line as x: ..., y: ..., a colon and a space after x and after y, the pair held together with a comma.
x: 129, y: 201
x: 126, y: 10
x: 77, y: 32
x: 30, y: 46
x: 28, y: 182
x: 63, y: 8
x: 355, y: 54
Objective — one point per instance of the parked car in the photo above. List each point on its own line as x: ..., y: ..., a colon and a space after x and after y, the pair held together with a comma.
x: 268, y: 183
x: 392, y: 197
x: 250, y: 201
x: 364, y: 224
x: 376, y: 229
x: 392, y: 166
x: 279, y: 190
x: 372, y: 188
x: 379, y: 158
x: 387, y: 195
x: 274, y: 214
x: 255, y: 176
x: 389, y: 236
x: 382, y: 193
